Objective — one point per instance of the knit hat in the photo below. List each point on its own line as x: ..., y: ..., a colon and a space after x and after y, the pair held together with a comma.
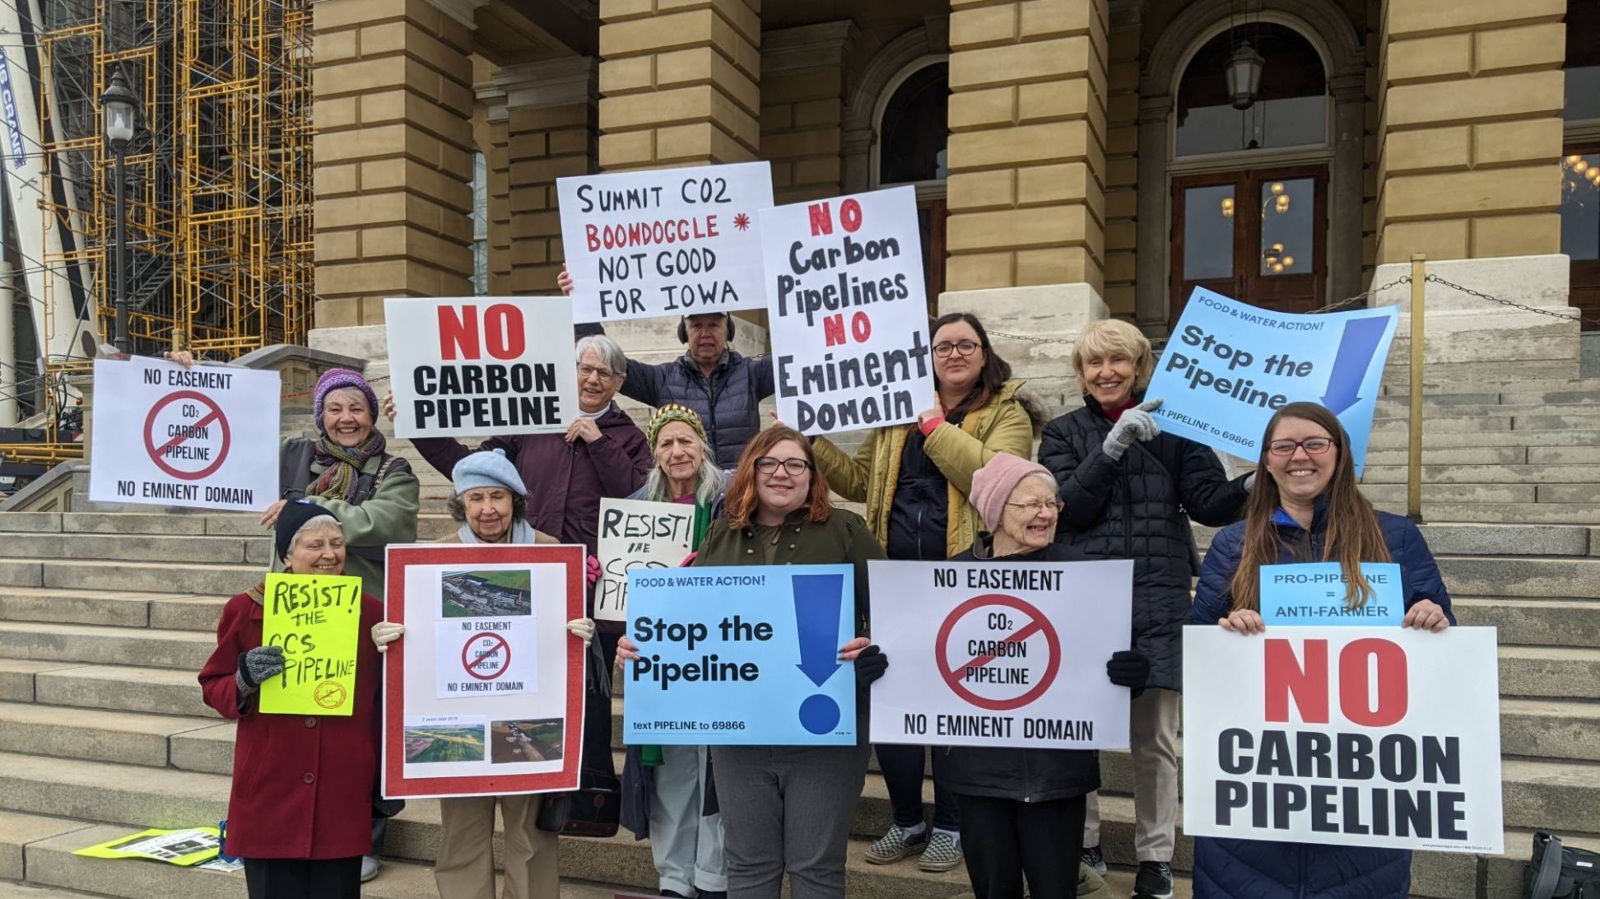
x: 666, y: 415
x: 489, y: 468
x: 291, y: 518
x: 338, y: 379
x: 993, y: 483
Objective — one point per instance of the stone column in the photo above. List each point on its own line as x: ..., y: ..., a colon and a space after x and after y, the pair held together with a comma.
x: 393, y: 155
x: 1122, y: 161
x: 680, y: 82
x: 494, y: 140
x: 1470, y: 132
x: 551, y: 127
x: 1027, y: 158
x: 802, y: 108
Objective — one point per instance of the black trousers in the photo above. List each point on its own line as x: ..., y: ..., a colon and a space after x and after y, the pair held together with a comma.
x: 299, y: 878
x: 902, y: 775
x: 1004, y: 839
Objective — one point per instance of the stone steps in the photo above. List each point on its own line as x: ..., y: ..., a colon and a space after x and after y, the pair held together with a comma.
x: 1464, y: 473
x: 1531, y: 622
x: 183, y: 650
x: 1570, y: 577
x: 182, y: 611
x: 1393, y: 435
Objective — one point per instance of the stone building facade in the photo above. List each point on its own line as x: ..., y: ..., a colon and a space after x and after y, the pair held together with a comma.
x: 1073, y: 158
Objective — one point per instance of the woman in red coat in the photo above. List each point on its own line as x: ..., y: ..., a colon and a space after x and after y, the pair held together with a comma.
x: 300, y: 811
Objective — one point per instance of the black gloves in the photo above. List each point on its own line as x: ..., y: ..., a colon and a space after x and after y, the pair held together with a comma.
x: 1129, y: 668
x: 870, y: 665
x: 258, y: 666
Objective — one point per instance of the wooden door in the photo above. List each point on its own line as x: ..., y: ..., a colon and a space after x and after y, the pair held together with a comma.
x: 933, y: 215
x: 1580, y: 229
x: 1257, y: 236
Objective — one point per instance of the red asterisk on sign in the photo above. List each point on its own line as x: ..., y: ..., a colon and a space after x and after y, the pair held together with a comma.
x: 741, y: 221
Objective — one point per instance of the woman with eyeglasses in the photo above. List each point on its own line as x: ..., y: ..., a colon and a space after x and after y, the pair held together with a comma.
x: 1306, y: 507
x: 915, y: 481
x: 1130, y: 492
x: 787, y: 809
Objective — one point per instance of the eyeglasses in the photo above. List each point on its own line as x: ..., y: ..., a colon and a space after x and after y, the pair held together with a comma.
x: 1036, y: 506
x: 961, y: 348
x: 1314, y: 446
x: 604, y: 374
x: 795, y: 467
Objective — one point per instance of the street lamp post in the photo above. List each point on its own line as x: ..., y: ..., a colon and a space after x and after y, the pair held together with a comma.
x: 118, y: 107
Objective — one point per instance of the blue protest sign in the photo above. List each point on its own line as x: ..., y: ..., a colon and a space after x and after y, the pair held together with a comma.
x: 1230, y: 366
x: 741, y: 656
x: 1312, y: 594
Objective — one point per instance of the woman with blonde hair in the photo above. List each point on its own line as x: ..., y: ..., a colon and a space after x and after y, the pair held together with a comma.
x: 1130, y: 492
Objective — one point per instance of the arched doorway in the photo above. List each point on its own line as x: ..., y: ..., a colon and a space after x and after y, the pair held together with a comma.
x: 912, y: 133
x: 1300, y: 137
x: 1250, y: 171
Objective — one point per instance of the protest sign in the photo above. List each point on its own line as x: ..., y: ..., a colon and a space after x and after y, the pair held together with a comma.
x: 1001, y: 653
x: 848, y: 312
x: 638, y: 534
x: 1343, y: 736
x: 664, y: 242
x: 1313, y: 594
x: 185, y: 847
x: 484, y: 693
x: 317, y: 620
x: 203, y: 438
x: 741, y: 656
x: 481, y: 365
x: 1229, y: 367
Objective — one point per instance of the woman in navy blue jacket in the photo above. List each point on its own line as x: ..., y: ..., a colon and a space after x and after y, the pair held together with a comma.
x: 1306, y: 507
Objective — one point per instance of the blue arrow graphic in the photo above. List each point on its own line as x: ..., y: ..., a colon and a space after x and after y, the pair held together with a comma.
x: 816, y: 615
x: 1356, y: 347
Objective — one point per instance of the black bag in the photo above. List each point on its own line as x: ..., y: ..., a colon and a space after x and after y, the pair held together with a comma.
x: 1557, y: 872
x: 593, y: 809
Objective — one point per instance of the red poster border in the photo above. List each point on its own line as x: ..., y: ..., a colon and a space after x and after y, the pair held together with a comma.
x: 395, y: 784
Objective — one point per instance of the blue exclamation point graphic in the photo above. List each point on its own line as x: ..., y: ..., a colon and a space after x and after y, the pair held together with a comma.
x: 816, y: 613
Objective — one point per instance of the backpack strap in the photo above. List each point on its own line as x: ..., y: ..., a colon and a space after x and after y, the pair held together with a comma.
x: 1549, y: 874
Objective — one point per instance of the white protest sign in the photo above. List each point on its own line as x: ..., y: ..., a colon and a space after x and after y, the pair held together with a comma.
x: 205, y: 438
x: 848, y: 312
x: 1001, y: 653
x: 1351, y: 736
x: 664, y: 242
x: 481, y: 365
x: 637, y: 534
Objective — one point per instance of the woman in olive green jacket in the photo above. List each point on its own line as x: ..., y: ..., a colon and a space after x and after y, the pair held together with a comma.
x: 915, y: 481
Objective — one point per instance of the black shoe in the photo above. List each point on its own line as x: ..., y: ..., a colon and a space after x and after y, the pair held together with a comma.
x: 1094, y: 858
x: 1154, y: 881
x: 713, y: 894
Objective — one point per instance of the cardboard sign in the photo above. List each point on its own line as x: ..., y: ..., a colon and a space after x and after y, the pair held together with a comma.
x: 1313, y: 594
x: 664, y: 242
x: 481, y: 365
x: 484, y: 693
x: 317, y: 620
x: 203, y: 438
x: 848, y: 312
x: 1229, y: 367
x: 185, y: 847
x: 1001, y: 653
x: 1345, y: 736
x: 635, y: 534
x: 741, y: 656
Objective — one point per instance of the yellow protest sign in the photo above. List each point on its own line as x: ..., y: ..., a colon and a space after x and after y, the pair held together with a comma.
x: 317, y: 621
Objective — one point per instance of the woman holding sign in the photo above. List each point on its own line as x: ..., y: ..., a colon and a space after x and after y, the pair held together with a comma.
x: 1022, y: 810
x: 300, y: 810
x: 787, y: 809
x: 1130, y: 491
x: 1306, y: 507
x: 915, y: 481
x: 670, y: 797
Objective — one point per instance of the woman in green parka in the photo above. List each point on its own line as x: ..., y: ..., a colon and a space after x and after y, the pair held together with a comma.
x: 915, y: 480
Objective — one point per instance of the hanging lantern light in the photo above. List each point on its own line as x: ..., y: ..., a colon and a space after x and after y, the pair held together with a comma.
x: 1244, y: 76
x: 1227, y: 207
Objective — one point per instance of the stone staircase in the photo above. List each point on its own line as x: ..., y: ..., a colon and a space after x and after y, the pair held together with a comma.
x: 105, y: 618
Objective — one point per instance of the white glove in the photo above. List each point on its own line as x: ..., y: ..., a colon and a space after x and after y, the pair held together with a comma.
x: 386, y: 632
x: 582, y: 628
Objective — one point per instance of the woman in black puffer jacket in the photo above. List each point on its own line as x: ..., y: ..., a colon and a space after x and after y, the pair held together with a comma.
x: 1130, y: 492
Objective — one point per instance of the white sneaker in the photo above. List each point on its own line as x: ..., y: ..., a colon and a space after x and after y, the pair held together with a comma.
x: 369, y: 867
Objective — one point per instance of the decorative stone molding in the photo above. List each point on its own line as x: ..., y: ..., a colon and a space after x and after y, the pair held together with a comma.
x: 826, y: 44
x: 552, y: 82
x: 461, y: 10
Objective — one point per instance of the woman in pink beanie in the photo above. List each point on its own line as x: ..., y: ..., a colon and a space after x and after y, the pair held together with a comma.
x: 1022, y: 810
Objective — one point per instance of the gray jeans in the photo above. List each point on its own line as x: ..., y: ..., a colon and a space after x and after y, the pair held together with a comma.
x: 787, y: 809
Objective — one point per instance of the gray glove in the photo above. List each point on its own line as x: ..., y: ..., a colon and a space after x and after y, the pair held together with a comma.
x: 258, y: 666
x: 1135, y: 424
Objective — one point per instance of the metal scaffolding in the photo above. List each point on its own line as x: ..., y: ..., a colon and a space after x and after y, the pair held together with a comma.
x: 218, y: 178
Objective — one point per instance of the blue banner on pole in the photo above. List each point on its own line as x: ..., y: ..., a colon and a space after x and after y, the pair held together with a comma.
x: 1312, y: 594
x: 1229, y: 366
x: 741, y: 656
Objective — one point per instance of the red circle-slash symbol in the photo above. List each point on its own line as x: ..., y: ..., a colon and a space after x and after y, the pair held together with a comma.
x: 210, y: 415
x: 954, y: 676
x: 495, y: 648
